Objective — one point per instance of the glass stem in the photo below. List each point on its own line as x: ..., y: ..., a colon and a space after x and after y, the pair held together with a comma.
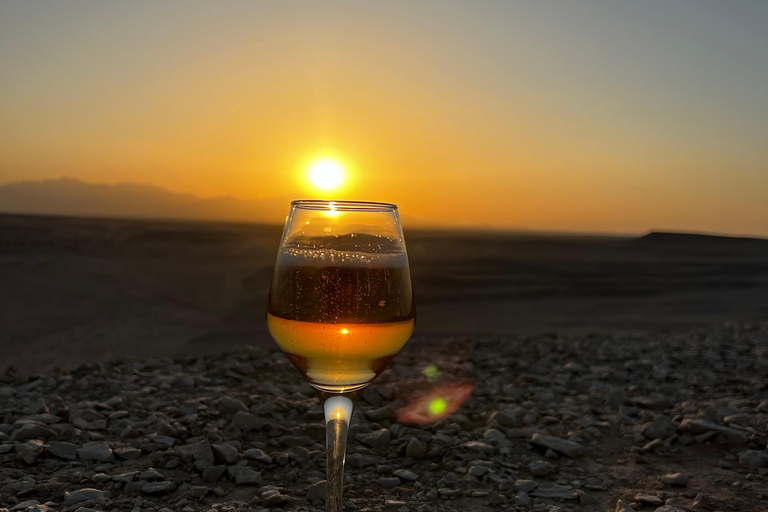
x: 338, y: 411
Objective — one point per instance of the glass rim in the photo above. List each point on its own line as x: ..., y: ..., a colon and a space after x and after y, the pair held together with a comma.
x: 347, y: 206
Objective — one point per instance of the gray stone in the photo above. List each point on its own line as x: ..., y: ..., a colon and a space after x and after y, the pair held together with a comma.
x: 99, y: 452
x: 317, y: 490
x: 648, y: 499
x: 32, y: 430
x: 587, y: 500
x: 660, y: 428
x: 381, y: 414
x: 552, y: 490
x: 679, y: 479
x: 405, y: 475
x: 244, y: 475
x: 198, y: 491
x: 258, y: 455
x: 523, y: 499
x: 377, y: 439
x: 228, y: 404
x: 74, y: 497
x: 568, y: 448
x: 150, y: 474
x: 389, y: 482
x: 127, y: 452
x: 200, y: 451
x: 541, y: 468
x: 29, y: 450
x: 247, y: 422
x: 478, y: 471
x: 669, y: 508
x: 754, y: 459
x: 158, y: 487
x: 525, y: 486
x: 762, y: 406
x: 478, y: 446
x: 62, y: 450
x: 273, y: 498
x: 742, y: 419
x: 224, y: 453
x: 415, y: 449
x: 213, y: 474
x: 623, y: 506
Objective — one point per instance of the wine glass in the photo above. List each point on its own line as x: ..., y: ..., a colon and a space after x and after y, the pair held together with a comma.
x: 341, y: 307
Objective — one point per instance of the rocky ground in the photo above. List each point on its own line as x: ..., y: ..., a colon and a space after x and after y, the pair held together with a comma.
x: 667, y: 422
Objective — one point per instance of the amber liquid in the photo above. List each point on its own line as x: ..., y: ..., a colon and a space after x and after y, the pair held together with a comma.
x: 341, y: 325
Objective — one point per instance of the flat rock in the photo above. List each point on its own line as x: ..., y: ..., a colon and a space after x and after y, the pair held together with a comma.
x: 648, y: 499
x: 99, y: 452
x: 552, y: 490
x: 158, y: 487
x: 479, y: 446
x: 200, y: 451
x: 377, y: 439
x: 317, y: 490
x: 75, y: 497
x: 247, y: 421
x: 661, y: 427
x: 541, y: 468
x: 258, y: 455
x: 406, y: 475
x: 389, y: 482
x: 273, y: 498
x: 568, y: 448
x: 244, y: 475
x: 224, y: 453
x: 525, y: 486
x: 679, y: 479
x: 32, y: 430
x: 62, y: 450
x: 213, y: 474
x: 382, y: 413
x: 127, y: 452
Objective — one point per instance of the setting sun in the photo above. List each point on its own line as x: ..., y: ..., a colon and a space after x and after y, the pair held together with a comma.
x: 326, y: 174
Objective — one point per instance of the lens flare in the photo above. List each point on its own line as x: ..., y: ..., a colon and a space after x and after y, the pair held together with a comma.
x: 430, y: 372
x: 436, y: 404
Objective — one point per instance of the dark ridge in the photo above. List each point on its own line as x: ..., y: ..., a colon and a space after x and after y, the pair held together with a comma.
x: 698, y: 239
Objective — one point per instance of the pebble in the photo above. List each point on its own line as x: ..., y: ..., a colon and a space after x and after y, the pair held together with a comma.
x: 377, y: 439
x: 29, y: 450
x: 247, y: 421
x: 62, y: 450
x: 405, y: 475
x: 158, y: 487
x: 648, y: 499
x: 541, y: 468
x: 258, y: 455
x: 623, y: 506
x: 415, y: 449
x: 99, y: 452
x: 272, y: 498
x: 228, y: 404
x: 553, y: 490
x: 88, y: 494
x: 568, y: 448
x: 244, y: 475
x: 389, y: 482
x: 660, y: 428
x: 317, y: 490
x: 199, y: 451
x: 678, y: 479
x: 224, y: 453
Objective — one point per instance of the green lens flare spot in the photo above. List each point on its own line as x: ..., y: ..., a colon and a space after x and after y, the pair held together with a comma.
x: 437, y: 406
x: 431, y: 372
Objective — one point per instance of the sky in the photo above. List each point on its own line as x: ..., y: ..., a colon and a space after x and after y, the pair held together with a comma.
x: 569, y: 115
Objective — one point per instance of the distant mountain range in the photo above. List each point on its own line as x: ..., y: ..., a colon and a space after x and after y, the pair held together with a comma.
x: 72, y: 197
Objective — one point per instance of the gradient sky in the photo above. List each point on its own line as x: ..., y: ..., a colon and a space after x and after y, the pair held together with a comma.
x: 585, y: 115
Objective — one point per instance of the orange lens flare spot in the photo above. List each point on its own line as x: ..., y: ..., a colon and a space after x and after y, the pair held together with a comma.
x: 436, y: 404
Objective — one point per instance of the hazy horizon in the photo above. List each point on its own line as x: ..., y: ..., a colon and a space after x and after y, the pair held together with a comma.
x: 546, y: 116
x: 250, y: 211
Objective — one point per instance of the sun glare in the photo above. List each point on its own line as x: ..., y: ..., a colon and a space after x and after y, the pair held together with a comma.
x: 326, y: 174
